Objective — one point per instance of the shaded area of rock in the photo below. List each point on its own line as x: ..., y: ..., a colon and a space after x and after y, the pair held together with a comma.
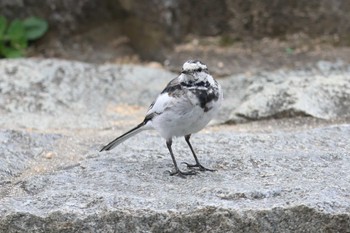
x: 210, y: 219
x: 179, y: 17
x: 154, y: 26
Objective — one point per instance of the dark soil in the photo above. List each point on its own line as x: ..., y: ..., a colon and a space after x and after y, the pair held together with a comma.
x: 223, y: 55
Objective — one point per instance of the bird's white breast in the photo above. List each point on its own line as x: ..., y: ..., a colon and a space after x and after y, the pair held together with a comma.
x: 179, y: 116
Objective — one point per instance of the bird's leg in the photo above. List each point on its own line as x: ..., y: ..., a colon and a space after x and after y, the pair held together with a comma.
x: 197, y: 164
x: 177, y: 170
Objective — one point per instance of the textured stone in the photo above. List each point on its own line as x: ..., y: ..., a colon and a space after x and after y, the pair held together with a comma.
x: 71, y: 94
x: 287, y: 175
x: 284, y: 181
x: 322, y: 92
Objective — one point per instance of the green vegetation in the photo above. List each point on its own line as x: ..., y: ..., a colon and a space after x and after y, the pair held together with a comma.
x: 15, y: 35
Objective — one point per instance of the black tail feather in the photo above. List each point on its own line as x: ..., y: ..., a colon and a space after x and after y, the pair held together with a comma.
x: 123, y: 137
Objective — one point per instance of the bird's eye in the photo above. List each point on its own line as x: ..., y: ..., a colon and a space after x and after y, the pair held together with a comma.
x: 199, y: 69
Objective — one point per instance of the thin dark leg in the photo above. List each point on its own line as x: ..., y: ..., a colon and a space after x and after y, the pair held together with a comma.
x: 197, y: 164
x: 177, y: 170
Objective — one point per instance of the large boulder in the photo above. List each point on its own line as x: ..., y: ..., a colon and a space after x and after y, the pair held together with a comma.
x: 284, y: 181
x: 55, y: 116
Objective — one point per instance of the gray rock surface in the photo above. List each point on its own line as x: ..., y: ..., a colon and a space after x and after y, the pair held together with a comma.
x: 322, y: 92
x: 287, y: 181
x: 74, y: 94
x: 286, y: 175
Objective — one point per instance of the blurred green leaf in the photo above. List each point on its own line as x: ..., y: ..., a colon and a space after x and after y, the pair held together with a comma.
x: 3, y: 24
x: 16, y: 30
x: 34, y: 27
x: 14, y: 36
x: 20, y: 43
x: 10, y: 52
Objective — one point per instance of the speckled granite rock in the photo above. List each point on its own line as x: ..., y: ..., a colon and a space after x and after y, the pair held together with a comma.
x: 275, y: 181
x: 322, y: 92
x: 75, y: 94
x: 56, y: 115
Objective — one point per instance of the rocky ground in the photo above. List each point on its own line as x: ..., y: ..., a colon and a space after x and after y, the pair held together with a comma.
x: 280, y: 147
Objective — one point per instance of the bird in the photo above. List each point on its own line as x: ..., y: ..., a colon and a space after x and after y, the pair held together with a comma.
x: 184, y: 107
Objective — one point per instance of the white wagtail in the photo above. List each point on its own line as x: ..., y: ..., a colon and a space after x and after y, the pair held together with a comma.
x: 184, y: 107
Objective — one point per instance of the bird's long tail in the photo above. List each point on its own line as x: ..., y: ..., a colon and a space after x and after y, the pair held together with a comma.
x: 125, y: 136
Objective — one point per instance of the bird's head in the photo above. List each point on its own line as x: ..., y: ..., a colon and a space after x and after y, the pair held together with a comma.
x: 192, y: 66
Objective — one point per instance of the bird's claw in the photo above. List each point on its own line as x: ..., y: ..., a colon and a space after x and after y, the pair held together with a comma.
x: 182, y: 174
x: 198, y: 165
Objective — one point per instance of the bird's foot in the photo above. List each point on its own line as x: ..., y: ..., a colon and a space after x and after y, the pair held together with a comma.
x: 199, y: 166
x: 182, y: 174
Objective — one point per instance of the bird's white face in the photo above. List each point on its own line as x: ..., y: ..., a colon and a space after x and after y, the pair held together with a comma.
x: 193, y: 65
x: 195, y: 71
